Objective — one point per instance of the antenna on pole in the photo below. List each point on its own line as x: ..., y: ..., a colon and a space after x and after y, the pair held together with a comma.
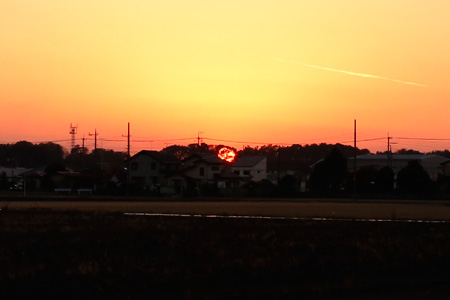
x: 73, y: 133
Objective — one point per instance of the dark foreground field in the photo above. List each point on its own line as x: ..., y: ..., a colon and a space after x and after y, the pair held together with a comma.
x: 79, y: 255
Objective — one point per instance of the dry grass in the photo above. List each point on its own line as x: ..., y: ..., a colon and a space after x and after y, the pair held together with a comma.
x: 302, y: 208
x: 73, y: 255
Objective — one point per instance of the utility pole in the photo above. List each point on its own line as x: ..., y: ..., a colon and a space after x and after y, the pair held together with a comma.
x: 83, y: 152
x: 83, y: 149
x: 128, y: 147
x: 95, y: 139
x: 128, y: 160
x: 389, y: 151
x: 354, y: 160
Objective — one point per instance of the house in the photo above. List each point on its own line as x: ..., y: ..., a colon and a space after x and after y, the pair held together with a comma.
x: 253, y: 167
x: 33, y: 180
x: 13, y: 176
x: 446, y: 168
x: 203, y: 167
x: 151, y: 170
x: 430, y: 162
x: 148, y: 169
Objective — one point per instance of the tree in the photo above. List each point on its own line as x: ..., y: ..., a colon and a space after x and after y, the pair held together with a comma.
x: 329, y: 175
x: 181, y: 152
x: 413, y: 179
x: 407, y: 151
x: 287, y: 186
x: 365, y: 179
x: 384, y: 180
x: 28, y: 155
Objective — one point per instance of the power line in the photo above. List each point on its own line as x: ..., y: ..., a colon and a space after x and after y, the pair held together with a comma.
x: 244, y: 142
x: 365, y: 140
x: 166, y: 140
x: 423, y: 139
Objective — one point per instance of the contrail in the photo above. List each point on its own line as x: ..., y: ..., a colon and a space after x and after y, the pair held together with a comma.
x: 351, y: 73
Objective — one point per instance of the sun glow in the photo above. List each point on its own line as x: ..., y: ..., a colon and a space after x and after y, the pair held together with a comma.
x: 226, y: 154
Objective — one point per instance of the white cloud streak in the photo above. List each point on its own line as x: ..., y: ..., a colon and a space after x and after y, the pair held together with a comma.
x: 351, y: 73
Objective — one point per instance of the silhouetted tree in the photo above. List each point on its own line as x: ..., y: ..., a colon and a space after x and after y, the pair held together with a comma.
x: 203, y: 148
x: 413, y: 179
x: 4, y: 184
x: 384, y: 180
x: 287, y: 184
x: 181, y: 152
x: 26, y: 154
x: 51, y: 170
x: 329, y: 175
x: 365, y: 179
x: 408, y: 151
x: 444, y: 153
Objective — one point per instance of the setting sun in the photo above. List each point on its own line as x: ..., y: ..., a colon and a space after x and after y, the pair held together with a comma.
x: 226, y: 154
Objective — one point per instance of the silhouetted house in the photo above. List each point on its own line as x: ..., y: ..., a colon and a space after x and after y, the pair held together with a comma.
x: 68, y: 181
x: 33, y: 180
x: 446, y: 168
x: 14, y: 176
x: 149, y: 169
x: 430, y: 162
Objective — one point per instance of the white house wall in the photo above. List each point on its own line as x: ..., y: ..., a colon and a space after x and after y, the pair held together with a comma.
x: 257, y: 172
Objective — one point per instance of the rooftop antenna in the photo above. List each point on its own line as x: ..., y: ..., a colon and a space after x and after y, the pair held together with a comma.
x: 73, y: 133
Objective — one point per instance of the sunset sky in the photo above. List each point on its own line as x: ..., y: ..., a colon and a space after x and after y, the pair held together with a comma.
x: 269, y: 71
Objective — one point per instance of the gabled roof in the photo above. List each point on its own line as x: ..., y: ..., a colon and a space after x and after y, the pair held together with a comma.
x: 160, y: 157
x: 13, y: 171
x: 248, y: 161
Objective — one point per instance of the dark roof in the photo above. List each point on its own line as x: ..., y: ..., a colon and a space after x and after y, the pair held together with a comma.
x: 33, y: 173
x: 395, y: 156
x: 248, y: 160
x: 208, y: 158
x: 160, y: 157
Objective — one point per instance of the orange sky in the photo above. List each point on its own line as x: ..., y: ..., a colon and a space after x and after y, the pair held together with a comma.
x: 257, y: 70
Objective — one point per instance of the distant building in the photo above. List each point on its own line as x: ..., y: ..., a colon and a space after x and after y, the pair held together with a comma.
x: 430, y: 162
